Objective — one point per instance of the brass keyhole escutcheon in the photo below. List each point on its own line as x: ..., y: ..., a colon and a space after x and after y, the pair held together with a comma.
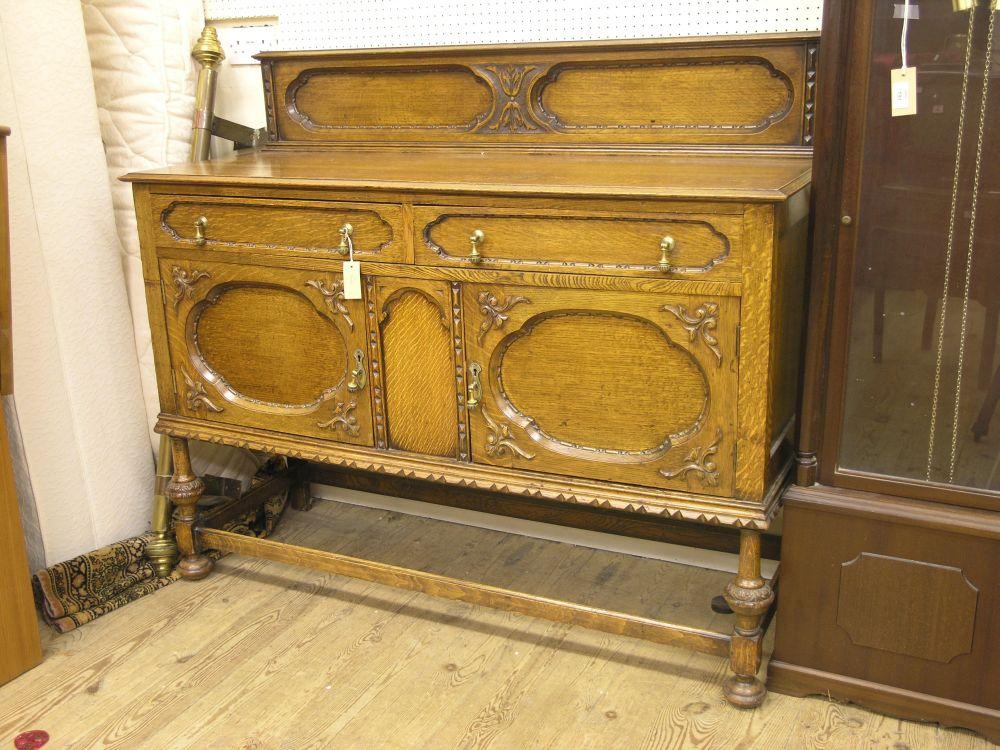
x: 476, y: 239
x: 358, y: 375
x: 475, y: 387
x: 200, y: 225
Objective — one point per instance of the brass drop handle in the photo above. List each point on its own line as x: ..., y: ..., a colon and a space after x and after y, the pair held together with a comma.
x: 358, y: 375
x: 200, y: 224
x: 667, y: 245
x: 476, y: 238
x: 346, y: 242
x: 475, y: 388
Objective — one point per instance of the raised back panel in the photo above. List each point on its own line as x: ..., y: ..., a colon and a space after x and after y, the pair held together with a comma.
x: 750, y: 91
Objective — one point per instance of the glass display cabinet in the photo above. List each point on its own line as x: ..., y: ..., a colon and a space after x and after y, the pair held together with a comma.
x: 891, y: 549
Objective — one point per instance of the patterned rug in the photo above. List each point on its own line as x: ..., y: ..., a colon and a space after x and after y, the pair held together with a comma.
x: 72, y: 593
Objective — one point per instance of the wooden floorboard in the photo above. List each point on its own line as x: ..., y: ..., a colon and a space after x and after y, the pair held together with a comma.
x: 265, y: 655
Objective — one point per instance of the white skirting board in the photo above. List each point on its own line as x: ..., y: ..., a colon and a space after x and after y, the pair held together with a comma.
x: 594, y: 539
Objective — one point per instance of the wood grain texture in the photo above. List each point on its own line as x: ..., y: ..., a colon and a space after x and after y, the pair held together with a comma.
x: 704, y: 641
x: 707, y: 246
x: 418, y: 364
x: 305, y: 228
x: 712, y: 177
x: 629, y: 388
x: 935, y: 606
x: 190, y: 666
x: 910, y: 611
x: 615, y: 93
x: 261, y: 346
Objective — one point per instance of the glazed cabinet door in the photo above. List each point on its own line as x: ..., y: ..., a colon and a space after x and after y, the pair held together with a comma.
x: 621, y: 386
x: 274, y: 348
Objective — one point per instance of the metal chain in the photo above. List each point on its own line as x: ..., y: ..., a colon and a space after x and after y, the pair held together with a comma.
x: 951, y: 242
x: 972, y: 242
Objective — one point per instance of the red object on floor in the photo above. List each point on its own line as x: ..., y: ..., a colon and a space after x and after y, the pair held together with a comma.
x: 31, y: 740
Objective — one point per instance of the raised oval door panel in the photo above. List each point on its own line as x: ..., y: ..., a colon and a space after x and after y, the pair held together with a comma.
x: 620, y: 386
x: 267, y: 347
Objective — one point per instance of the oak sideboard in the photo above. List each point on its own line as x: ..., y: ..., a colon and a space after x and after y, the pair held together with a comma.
x: 581, y: 281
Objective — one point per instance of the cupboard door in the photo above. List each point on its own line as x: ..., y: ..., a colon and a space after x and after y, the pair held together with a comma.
x: 416, y: 400
x: 621, y: 386
x: 267, y: 347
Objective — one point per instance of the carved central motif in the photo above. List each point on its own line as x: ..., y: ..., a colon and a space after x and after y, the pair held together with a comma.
x: 700, y: 462
x: 511, y: 112
x: 499, y: 441
x: 495, y: 310
x: 343, y: 418
x: 334, y: 298
x: 702, y: 323
x: 184, y: 283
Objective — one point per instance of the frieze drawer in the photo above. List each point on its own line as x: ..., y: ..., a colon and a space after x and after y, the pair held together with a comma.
x: 306, y: 228
x: 702, y: 246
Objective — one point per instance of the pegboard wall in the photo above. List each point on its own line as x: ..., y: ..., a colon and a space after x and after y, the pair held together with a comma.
x: 341, y: 24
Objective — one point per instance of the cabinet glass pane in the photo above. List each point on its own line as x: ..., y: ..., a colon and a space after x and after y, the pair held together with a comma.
x: 923, y: 379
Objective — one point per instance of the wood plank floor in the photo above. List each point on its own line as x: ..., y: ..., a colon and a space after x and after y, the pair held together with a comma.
x: 262, y: 655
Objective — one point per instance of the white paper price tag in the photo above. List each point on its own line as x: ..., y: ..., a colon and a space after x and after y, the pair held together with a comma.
x: 903, y: 99
x: 352, y: 279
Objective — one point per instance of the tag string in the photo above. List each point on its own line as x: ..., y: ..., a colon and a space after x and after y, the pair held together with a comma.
x: 906, y: 29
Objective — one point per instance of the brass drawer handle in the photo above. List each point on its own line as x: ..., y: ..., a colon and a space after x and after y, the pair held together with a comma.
x: 475, y: 388
x: 476, y: 238
x: 358, y: 375
x: 667, y: 245
x: 200, y: 224
x: 346, y: 243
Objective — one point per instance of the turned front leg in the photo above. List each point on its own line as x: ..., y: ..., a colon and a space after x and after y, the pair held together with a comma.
x: 750, y: 597
x: 184, y: 491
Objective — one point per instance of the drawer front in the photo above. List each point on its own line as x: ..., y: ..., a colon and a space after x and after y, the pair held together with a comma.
x: 305, y: 228
x: 701, y: 246
x: 266, y: 347
x: 626, y: 387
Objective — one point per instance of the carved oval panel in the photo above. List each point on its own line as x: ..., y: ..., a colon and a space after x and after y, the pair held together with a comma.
x: 638, y: 396
x: 446, y: 97
x: 748, y: 95
x: 268, y: 345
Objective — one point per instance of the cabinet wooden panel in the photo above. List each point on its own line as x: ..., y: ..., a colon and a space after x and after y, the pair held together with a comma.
x: 288, y: 227
x: 418, y: 410
x: 705, y: 246
x: 628, y: 387
x: 266, y: 346
x: 635, y: 93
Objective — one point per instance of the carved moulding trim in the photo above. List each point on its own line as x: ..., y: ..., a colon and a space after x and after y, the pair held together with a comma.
x: 375, y: 363
x: 398, y: 294
x: 538, y: 485
x: 700, y: 324
x: 271, y: 208
x: 490, y: 261
x: 495, y: 308
x: 587, y: 452
x: 334, y: 298
x: 343, y: 418
x: 219, y: 382
x: 457, y: 326
x: 755, y: 127
x: 184, y: 283
x: 303, y: 78
x: 809, y: 105
x: 700, y: 462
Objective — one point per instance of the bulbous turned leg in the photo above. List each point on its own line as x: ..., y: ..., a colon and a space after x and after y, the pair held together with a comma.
x: 184, y: 491
x: 750, y: 597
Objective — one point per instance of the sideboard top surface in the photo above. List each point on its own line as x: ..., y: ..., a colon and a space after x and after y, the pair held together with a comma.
x: 720, y: 177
